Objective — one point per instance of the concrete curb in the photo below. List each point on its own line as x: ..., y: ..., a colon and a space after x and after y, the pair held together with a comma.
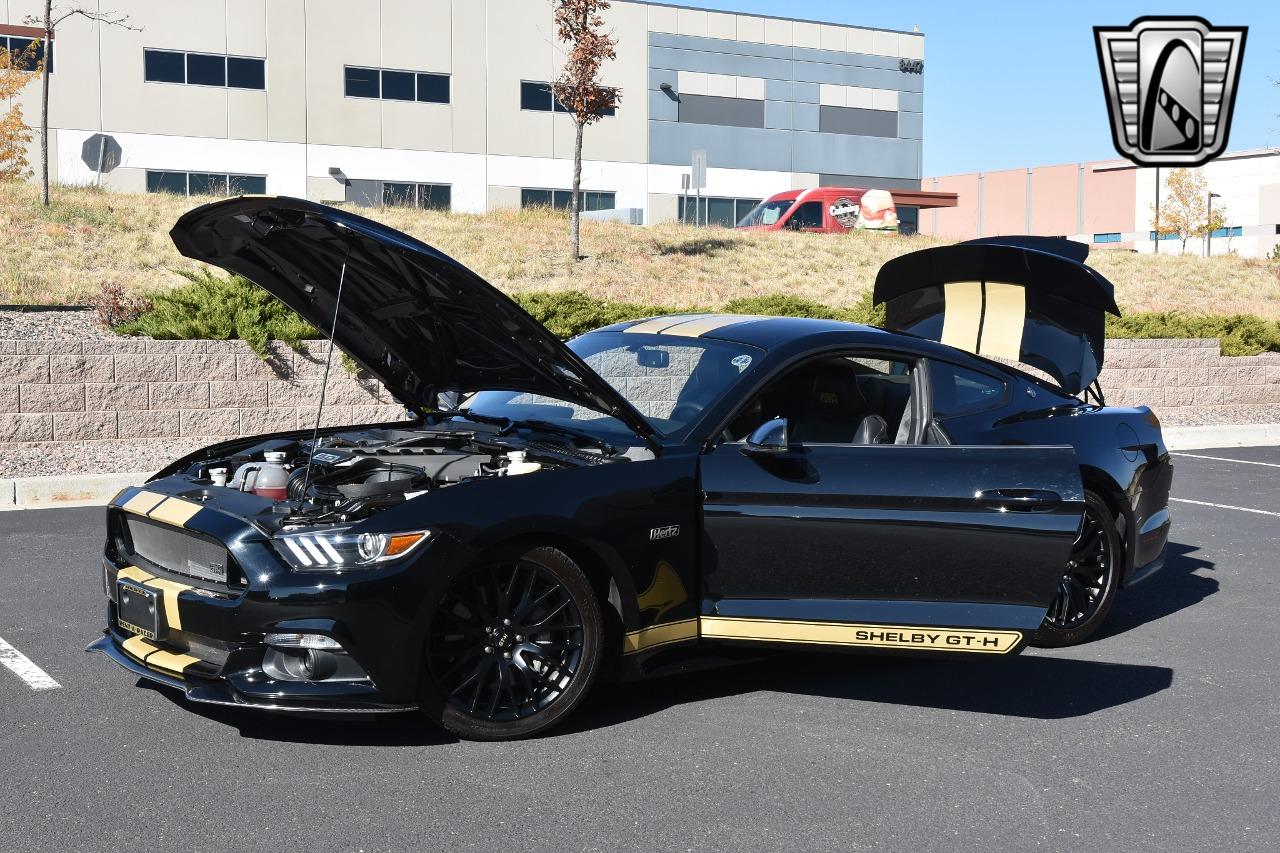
x: 75, y: 490
x: 1206, y: 437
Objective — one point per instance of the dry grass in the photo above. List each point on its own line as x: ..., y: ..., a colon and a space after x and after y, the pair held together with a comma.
x: 89, y: 237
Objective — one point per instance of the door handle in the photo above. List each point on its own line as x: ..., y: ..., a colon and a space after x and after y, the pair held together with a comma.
x: 1020, y: 499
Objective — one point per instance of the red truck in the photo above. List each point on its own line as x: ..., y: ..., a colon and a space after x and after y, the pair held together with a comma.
x: 835, y: 210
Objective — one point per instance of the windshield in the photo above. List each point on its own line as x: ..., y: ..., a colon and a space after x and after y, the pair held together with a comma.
x: 670, y: 380
x: 766, y: 213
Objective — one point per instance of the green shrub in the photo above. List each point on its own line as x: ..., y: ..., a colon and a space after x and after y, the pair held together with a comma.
x: 1240, y: 334
x: 570, y: 313
x: 210, y: 307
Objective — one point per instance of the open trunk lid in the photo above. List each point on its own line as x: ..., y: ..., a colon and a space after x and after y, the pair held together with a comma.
x: 1026, y: 299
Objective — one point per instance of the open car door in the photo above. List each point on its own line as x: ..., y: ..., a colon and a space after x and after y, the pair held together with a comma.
x: 1026, y: 299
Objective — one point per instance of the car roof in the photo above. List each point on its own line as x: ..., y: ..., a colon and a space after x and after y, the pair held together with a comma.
x: 761, y: 332
x: 768, y: 333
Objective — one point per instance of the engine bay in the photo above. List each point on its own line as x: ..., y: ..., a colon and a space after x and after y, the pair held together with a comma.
x: 347, y: 476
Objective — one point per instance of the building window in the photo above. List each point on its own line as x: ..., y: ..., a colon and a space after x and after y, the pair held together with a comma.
x: 1152, y: 236
x: 536, y: 96
x: 396, y: 85
x: 205, y: 183
x: 1232, y: 231
x: 18, y: 47
x: 1108, y: 237
x: 726, y: 212
x: 425, y: 196
x: 559, y: 199
x: 204, y: 69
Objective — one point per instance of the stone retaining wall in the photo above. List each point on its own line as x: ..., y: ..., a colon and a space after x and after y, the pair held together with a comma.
x: 1174, y: 376
x: 61, y: 390
x: 130, y: 388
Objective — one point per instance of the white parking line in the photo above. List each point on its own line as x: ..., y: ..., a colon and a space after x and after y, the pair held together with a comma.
x: 1225, y: 459
x: 21, y: 666
x: 1227, y: 506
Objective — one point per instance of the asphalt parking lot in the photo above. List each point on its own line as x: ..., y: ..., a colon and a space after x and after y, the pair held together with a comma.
x: 1162, y: 735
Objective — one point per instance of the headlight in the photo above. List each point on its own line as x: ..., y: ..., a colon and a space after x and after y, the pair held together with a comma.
x: 337, y: 549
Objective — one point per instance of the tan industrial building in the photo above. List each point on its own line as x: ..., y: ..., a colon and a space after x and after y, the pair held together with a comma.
x: 445, y: 103
x: 1111, y: 203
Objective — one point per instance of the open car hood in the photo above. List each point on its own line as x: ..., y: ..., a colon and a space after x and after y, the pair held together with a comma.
x: 414, y: 318
x: 1027, y: 299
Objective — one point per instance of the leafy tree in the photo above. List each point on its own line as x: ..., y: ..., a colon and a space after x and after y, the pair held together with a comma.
x: 15, y: 136
x: 1184, y: 211
x: 49, y: 21
x: 578, y: 89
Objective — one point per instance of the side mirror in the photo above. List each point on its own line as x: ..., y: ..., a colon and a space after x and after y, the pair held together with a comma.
x: 769, y: 438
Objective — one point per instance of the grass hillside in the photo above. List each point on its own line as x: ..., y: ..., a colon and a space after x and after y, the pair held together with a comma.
x: 89, y: 238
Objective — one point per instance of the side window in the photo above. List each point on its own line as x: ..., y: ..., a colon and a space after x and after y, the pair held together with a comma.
x: 808, y: 215
x: 958, y: 391
x: 847, y: 399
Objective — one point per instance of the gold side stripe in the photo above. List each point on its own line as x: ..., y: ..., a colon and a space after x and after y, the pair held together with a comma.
x: 172, y: 616
x: 660, y: 635
x: 133, y: 573
x: 658, y: 324
x: 175, y: 511
x: 851, y: 634
x: 142, y: 503
x: 706, y: 325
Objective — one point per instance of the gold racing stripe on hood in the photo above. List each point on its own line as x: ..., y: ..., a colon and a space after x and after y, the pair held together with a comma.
x: 1003, y: 321
x: 660, y: 635
x: 974, y: 640
x: 142, y: 503
x: 175, y: 511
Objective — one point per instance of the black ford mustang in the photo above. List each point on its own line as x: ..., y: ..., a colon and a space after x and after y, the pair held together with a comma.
x: 648, y: 495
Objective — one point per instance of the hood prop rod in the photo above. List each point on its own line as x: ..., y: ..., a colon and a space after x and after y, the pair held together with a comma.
x: 328, y: 362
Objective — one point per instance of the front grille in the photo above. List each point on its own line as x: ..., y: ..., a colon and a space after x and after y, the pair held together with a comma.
x: 176, y: 550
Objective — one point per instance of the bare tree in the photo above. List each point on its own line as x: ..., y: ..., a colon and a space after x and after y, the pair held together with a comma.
x: 578, y: 89
x: 53, y: 16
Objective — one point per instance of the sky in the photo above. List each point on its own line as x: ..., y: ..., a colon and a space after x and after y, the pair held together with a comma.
x: 1010, y: 84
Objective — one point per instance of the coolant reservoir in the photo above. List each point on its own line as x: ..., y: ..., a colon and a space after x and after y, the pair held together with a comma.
x: 517, y: 464
x: 272, y: 480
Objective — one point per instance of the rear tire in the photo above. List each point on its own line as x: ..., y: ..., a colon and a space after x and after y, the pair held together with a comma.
x: 513, y: 646
x: 1088, y: 587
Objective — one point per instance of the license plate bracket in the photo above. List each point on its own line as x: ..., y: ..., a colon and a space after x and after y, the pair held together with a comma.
x: 138, y: 609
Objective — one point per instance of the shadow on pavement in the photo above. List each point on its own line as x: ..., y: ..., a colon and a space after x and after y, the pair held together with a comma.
x: 1173, y: 588
x: 1047, y: 688
x: 1031, y: 686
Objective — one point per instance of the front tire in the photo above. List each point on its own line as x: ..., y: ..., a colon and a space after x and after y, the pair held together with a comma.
x: 1090, y: 582
x: 512, y: 647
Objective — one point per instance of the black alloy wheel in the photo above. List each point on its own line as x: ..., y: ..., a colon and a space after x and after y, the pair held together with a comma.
x: 512, y: 647
x: 1088, y: 586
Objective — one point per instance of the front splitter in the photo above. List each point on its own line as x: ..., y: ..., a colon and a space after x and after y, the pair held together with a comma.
x: 220, y: 693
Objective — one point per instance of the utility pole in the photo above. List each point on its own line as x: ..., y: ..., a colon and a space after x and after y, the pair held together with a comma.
x: 1208, y: 239
x: 1157, y: 223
